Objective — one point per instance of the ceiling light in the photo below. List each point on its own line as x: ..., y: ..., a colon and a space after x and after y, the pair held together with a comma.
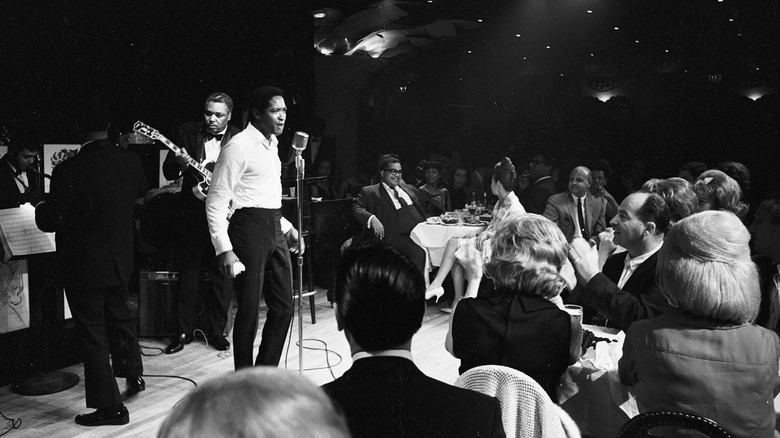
x: 518, y: 35
x: 589, y: 11
x: 319, y: 15
x: 548, y: 47
x: 617, y: 28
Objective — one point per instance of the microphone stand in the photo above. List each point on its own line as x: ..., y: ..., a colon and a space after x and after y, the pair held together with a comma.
x: 300, y: 165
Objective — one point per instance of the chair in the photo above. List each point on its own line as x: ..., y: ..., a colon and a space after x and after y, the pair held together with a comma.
x: 639, y: 426
x: 526, y: 410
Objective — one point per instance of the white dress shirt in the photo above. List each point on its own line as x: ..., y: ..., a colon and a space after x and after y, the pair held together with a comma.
x: 630, y: 264
x: 247, y: 175
x: 212, y: 148
x: 406, y: 354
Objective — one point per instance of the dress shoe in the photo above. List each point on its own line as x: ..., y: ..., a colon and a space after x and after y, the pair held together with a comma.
x: 435, y: 292
x: 218, y: 341
x: 135, y: 385
x: 178, y: 343
x: 105, y: 416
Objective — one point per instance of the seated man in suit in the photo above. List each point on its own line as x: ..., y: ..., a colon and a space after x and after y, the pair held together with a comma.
x: 576, y: 211
x: 626, y: 290
x: 380, y: 304
x: 390, y: 210
x: 540, y: 186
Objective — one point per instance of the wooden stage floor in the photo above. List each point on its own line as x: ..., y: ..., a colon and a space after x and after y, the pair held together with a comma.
x: 52, y: 415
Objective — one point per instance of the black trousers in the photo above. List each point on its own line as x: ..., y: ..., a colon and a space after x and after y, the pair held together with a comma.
x: 105, y: 327
x: 195, y: 256
x: 258, y: 242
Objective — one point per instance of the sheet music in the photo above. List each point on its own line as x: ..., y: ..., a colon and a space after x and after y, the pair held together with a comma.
x: 20, y: 234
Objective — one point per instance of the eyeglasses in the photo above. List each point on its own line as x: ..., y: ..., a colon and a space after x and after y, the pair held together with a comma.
x: 535, y: 162
x: 394, y: 171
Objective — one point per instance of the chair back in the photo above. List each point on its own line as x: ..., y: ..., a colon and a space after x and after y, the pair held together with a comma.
x: 526, y: 409
x: 639, y: 426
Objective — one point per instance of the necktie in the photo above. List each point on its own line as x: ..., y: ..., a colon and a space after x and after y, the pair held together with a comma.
x: 209, y: 136
x: 400, y: 199
x: 581, y: 218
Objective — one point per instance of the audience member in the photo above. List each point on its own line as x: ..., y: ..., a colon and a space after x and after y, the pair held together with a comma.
x: 691, y: 171
x: 678, y: 195
x: 534, y: 196
x: 261, y: 402
x: 468, y: 254
x: 625, y: 291
x: 390, y: 210
x: 380, y: 306
x: 518, y: 324
x: 740, y: 173
x: 460, y: 190
x: 705, y: 357
x: 326, y: 189
x: 718, y: 191
x: 434, y: 196
x: 351, y: 186
x: 601, y: 171
x: 576, y: 211
x: 765, y: 231
x: 634, y: 176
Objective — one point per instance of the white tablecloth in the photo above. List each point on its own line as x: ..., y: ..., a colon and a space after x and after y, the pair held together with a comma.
x: 590, y: 390
x: 433, y: 239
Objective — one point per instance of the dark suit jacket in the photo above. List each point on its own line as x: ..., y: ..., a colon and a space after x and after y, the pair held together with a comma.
x: 91, y: 209
x: 534, y: 197
x: 10, y: 195
x: 391, y: 397
x: 562, y: 210
x: 374, y: 200
x: 640, y: 297
x: 190, y: 137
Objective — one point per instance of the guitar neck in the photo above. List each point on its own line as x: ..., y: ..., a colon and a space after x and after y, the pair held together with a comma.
x: 192, y: 162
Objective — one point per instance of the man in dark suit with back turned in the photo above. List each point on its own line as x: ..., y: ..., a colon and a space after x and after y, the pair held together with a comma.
x: 91, y: 210
x: 194, y: 254
x: 380, y: 304
x: 390, y: 210
x: 626, y: 291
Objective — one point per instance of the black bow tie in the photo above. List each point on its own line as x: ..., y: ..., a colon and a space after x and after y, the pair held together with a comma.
x: 209, y: 136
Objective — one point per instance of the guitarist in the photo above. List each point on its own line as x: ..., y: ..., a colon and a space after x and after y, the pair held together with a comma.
x: 195, y: 254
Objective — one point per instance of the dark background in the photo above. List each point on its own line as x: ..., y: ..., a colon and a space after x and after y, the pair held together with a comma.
x: 679, y: 74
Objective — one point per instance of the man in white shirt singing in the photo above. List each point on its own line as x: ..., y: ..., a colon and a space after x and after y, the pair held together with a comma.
x: 246, y: 179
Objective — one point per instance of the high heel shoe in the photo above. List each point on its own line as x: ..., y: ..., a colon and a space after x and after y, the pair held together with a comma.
x: 435, y: 292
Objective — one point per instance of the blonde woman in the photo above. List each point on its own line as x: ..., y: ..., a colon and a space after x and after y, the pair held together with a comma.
x: 706, y: 357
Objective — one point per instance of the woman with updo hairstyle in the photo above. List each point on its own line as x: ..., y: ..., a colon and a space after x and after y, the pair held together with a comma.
x: 465, y: 256
x: 706, y: 357
x: 517, y: 324
x: 718, y: 191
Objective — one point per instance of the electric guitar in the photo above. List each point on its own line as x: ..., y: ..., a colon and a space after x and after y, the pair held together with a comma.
x: 200, y: 190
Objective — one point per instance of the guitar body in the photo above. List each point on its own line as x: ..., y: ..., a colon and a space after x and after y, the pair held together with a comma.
x: 201, y: 189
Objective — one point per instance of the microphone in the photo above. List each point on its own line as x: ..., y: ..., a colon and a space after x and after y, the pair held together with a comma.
x: 299, y: 141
